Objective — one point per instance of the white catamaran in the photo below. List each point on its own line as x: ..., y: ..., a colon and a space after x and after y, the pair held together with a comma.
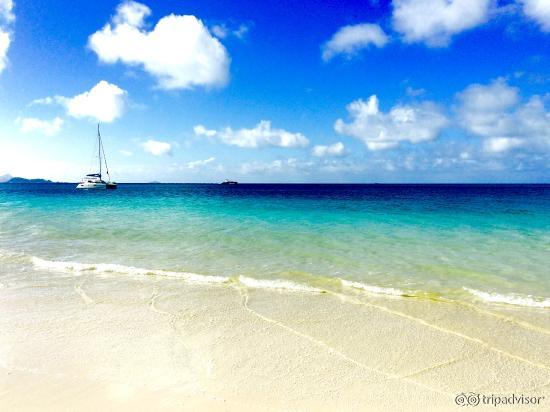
x: 95, y: 180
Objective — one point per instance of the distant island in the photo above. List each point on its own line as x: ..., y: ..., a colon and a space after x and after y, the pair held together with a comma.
x: 10, y: 179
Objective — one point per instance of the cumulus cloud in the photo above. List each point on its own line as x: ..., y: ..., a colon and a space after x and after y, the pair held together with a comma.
x: 501, y: 144
x: 179, y: 51
x: 378, y: 130
x: 482, y: 107
x: 538, y: 10
x: 495, y: 113
x: 157, y: 148
x: 348, y: 40
x: 105, y: 102
x: 336, y: 149
x: 46, y: 127
x: 259, y: 136
x: 434, y: 22
x: 6, y: 18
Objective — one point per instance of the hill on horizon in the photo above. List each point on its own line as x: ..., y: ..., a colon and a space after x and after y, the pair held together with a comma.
x: 10, y: 179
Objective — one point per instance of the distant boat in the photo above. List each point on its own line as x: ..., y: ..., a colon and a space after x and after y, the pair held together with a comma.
x: 229, y: 182
x: 95, y: 180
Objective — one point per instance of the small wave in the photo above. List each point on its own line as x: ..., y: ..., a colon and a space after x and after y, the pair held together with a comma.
x: 9, y: 258
x: 510, y: 299
x: 373, y: 289
x: 127, y: 270
x: 276, y: 284
x: 9, y: 255
x: 62, y: 266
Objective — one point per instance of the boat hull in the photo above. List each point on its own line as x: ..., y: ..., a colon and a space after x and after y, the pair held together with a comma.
x: 92, y: 186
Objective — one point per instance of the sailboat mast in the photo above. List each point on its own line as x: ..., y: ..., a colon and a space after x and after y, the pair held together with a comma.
x: 99, y: 149
x: 102, y: 158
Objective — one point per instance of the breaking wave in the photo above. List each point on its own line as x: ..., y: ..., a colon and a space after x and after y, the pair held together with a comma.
x: 276, y: 284
x: 127, y: 270
x: 373, y: 289
x: 77, y: 267
x: 511, y: 299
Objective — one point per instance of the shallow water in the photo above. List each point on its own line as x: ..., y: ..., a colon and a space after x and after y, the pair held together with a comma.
x: 472, y: 242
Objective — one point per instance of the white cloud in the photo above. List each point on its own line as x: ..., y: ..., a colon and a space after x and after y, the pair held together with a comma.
x: 199, y: 163
x: 105, y: 102
x: 47, y: 127
x: 538, y: 10
x: 46, y: 100
x: 379, y: 130
x: 179, y: 51
x: 200, y: 130
x: 482, y: 107
x: 434, y: 22
x: 348, y: 40
x: 495, y: 113
x: 221, y: 31
x: 259, y: 136
x: 6, y: 10
x: 411, y: 91
x: 343, y: 166
x: 5, y: 41
x: 6, y: 18
x: 241, y: 31
x: 290, y: 166
x: 132, y: 13
x: 336, y: 149
x: 157, y: 148
x: 501, y: 144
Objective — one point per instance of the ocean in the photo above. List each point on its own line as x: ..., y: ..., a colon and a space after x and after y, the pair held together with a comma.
x: 473, y: 243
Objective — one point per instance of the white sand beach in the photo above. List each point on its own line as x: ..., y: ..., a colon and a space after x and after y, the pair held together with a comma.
x: 106, y: 342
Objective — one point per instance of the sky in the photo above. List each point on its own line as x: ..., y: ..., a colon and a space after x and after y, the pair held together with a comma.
x: 400, y: 91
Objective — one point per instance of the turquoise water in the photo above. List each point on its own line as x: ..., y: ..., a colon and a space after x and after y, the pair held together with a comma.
x: 488, y: 242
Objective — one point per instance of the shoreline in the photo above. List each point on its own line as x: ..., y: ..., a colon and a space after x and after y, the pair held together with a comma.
x: 109, y: 341
x: 307, y: 283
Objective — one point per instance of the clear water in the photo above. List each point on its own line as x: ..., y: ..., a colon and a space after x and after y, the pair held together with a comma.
x: 437, y: 239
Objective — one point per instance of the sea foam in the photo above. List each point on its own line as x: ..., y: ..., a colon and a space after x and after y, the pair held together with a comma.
x: 126, y: 270
x: 373, y: 289
x: 276, y: 284
x: 78, y: 267
x: 511, y: 299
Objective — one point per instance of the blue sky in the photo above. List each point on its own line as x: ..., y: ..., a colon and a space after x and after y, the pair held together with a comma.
x: 282, y: 91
